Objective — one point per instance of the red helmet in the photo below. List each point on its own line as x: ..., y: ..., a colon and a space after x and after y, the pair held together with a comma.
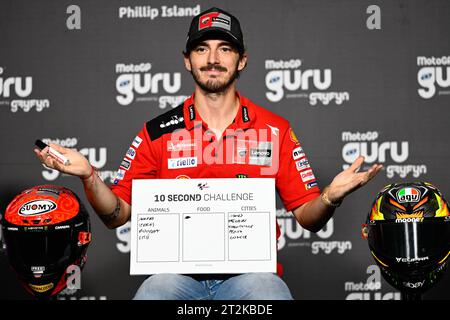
x: 46, y: 229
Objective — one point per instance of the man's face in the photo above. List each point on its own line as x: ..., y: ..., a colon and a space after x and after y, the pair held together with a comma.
x: 215, y: 65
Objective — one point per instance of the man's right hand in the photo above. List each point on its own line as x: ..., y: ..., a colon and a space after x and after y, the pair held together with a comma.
x: 79, y: 165
x: 112, y: 210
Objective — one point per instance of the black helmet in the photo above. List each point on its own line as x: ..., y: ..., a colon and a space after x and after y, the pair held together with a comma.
x: 408, y: 230
x: 46, y: 229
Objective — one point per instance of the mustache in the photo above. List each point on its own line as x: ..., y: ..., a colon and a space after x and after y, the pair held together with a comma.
x: 210, y: 67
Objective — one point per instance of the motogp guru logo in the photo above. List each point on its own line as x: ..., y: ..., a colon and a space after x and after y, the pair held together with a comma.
x: 431, y: 75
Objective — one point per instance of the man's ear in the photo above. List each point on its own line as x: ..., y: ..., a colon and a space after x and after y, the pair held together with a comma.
x: 242, y: 62
x: 187, y: 62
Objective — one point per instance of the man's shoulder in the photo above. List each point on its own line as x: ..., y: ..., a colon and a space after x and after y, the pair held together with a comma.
x: 265, y: 115
x: 166, y: 123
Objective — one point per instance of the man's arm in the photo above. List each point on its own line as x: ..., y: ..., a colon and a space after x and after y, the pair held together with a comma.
x: 314, y: 214
x: 112, y: 210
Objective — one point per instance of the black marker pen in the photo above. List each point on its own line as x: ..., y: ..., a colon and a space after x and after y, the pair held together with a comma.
x: 52, y: 152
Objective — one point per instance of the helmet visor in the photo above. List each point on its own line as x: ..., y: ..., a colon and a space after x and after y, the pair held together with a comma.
x: 30, y: 249
x: 410, y: 242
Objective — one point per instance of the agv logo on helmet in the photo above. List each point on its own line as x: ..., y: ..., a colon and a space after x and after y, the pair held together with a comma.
x: 408, y: 195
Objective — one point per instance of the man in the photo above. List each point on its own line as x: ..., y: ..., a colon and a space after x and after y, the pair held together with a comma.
x: 223, y: 135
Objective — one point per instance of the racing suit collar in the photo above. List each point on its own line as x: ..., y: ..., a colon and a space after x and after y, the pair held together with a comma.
x: 245, y: 117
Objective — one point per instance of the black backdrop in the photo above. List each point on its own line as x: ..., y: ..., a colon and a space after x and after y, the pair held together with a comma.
x: 82, y: 73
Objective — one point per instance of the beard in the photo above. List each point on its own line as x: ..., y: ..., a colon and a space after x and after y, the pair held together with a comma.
x: 215, y: 85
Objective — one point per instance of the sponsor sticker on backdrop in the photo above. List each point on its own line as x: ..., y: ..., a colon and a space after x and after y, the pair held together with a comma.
x: 17, y: 92
x: 392, y: 154
x: 289, y: 79
x: 140, y: 83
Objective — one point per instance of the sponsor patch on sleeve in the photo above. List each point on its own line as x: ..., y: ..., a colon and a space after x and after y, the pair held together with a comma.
x: 307, y: 175
x: 120, y: 174
x: 136, y: 142
x: 131, y: 153
x: 302, y: 164
x: 310, y: 185
x: 293, y: 136
x: 126, y: 164
x: 298, y: 153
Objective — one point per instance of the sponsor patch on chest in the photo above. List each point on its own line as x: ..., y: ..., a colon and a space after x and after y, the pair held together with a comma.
x: 253, y: 152
x: 178, y: 163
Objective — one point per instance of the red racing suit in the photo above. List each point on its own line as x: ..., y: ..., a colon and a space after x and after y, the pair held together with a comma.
x: 257, y: 144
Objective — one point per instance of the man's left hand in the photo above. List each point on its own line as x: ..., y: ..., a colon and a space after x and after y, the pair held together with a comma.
x: 350, y: 180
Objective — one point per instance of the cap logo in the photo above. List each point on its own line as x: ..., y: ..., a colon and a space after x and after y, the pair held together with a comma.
x: 214, y: 19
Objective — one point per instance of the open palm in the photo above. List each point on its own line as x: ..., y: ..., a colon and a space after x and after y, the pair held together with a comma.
x: 79, y: 165
x: 350, y: 179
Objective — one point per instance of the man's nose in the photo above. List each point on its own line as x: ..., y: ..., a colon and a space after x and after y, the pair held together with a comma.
x: 213, y: 57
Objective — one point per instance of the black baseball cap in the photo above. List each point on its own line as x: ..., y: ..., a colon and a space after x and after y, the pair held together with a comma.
x: 215, y: 23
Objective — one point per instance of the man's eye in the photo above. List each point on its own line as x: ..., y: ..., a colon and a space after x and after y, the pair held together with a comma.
x: 226, y: 49
x: 200, y: 49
